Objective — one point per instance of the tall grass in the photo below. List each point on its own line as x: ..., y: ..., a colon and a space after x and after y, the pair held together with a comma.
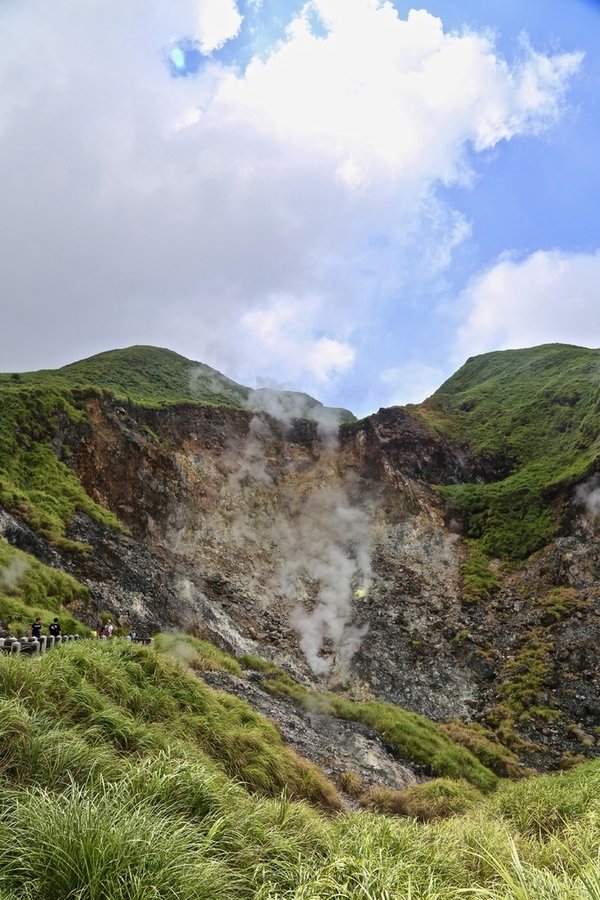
x: 101, y: 803
x: 129, y: 699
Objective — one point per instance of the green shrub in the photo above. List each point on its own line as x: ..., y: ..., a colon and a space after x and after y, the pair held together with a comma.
x: 485, y: 745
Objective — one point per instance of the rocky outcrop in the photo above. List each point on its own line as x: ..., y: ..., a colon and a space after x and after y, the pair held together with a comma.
x: 336, y: 746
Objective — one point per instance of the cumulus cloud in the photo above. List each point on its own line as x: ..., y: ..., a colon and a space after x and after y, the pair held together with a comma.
x: 550, y: 296
x: 218, y: 22
x: 384, y: 96
x: 138, y: 208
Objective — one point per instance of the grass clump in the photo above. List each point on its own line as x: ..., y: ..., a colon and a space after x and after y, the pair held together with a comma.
x: 479, y: 581
x: 437, y: 799
x: 28, y: 588
x: 258, y: 664
x: 486, y: 746
x: 559, y: 603
x: 524, y: 677
x: 351, y: 783
x: 105, y: 843
x: 198, y: 654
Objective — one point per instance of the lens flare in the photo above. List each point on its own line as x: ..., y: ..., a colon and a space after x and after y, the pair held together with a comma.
x: 177, y: 58
x: 184, y: 58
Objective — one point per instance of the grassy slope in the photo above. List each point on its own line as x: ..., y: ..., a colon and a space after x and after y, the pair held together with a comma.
x: 454, y: 750
x: 540, y: 410
x: 154, y: 376
x: 28, y: 588
x: 123, y: 778
x: 35, y: 481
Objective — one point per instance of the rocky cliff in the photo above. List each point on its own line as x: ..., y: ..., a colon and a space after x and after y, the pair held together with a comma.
x: 343, y: 553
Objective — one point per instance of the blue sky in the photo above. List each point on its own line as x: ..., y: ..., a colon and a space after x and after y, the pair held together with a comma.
x: 347, y: 197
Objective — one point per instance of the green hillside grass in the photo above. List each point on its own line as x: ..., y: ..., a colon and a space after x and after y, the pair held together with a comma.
x: 535, y: 411
x: 123, y: 778
x: 38, y: 408
x: 154, y: 377
x: 28, y: 588
x: 35, y: 481
x: 148, y: 376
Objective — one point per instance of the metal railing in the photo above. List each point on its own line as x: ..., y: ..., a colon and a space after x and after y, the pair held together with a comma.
x: 45, y: 642
x: 31, y: 645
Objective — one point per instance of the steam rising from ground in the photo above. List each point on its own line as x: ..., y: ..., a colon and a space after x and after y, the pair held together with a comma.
x: 318, y: 534
x: 588, y: 496
x: 287, y: 406
x: 11, y: 575
x: 326, y: 544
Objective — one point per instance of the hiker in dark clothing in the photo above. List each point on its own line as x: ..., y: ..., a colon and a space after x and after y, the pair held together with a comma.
x: 36, y: 628
x: 54, y: 628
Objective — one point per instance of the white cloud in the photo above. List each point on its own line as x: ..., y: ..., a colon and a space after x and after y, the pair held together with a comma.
x: 140, y: 208
x: 218, y: 22
x: 284, y: 331
x: 411, y: 382
x: 549, y: 297
x: 390, y: 97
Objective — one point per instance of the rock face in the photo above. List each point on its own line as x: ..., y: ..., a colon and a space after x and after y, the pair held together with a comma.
x: 336, y: 746
x: 331, y: 554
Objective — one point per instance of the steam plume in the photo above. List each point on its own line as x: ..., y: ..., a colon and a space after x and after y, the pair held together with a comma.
x: 12, y: 574
x: 326, y: 545
x: 588, y: 496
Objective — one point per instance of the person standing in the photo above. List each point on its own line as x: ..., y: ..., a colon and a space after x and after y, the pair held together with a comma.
x: 54, y: 628
x: 36, y: 628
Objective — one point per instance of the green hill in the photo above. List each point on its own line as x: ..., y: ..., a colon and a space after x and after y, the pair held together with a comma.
x: 154, y: 376
x: 533, y: 416
x: 150, y: 376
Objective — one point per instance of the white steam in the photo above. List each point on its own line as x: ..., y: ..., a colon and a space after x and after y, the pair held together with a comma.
x: 249, y: 477
x: 588, y: 496
x: 11, y: 575
x: 326, y: 546
x: 289, y: 406
x: 300, y: 523
x: 204, y: 382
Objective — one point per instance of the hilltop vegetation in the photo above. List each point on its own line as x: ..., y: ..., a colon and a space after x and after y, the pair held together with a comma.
x: 154, y: 377
x: 533, y: 417
x: 148, y: 376
x: 123, y: 777
x: 35, y: 481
